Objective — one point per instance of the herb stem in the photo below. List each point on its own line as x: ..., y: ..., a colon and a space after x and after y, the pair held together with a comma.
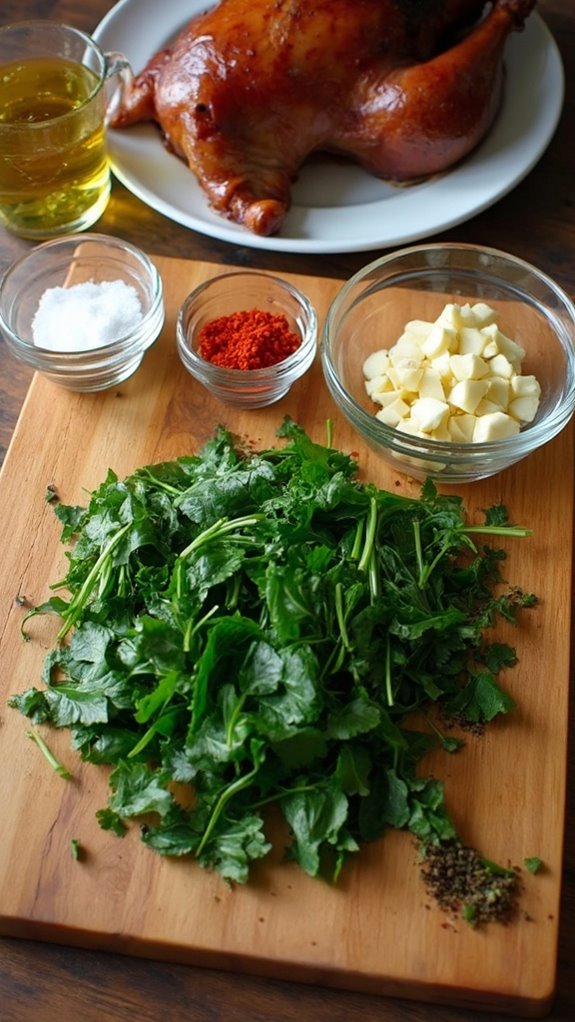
x: 226, y: 795
x: 78, y: 603
x: 369, y: 536
x: 339, y: 611
x: 298, y: 790
x: 498, y: 530
x: 388, y: 679
x: 219, y: 528
x: 37, y: 738
x: 418, y: 551
x: 192, y: 627
x: 356, y: 548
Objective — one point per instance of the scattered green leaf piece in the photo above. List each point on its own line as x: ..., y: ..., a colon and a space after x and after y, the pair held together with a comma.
x: 110, y: 820
x: 76, y: 849
x: 533, y: 863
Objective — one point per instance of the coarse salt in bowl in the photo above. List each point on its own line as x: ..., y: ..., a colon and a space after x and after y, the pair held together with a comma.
x: 82, y: 310
x: 414, y: 286
x: 241, y: 292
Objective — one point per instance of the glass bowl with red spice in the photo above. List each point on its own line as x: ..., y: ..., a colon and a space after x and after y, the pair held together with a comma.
x: 247, y: 337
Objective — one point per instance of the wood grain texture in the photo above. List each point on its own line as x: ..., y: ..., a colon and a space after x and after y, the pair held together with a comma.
x: 376, y: 931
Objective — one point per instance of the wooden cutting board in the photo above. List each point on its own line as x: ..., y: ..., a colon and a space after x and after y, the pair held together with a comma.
x: 376, y: 930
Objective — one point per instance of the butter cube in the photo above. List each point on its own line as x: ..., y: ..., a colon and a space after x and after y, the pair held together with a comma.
x: 487, y: 407
x: 409, y: 375
x: 442, y: 366
x: 440, y: 339
x: 410, y: 427
x: 429, y: 413
x: 417, y: 329
x: 441, y: 433
x: 393, y: 413
x: 490, y: 334
x: 386, y: 397
x: 524, y: 409
x: 499, y: 365
x: 376, y: 363
x: 451, y: 317
x: 378, y: 384
x: 468, y: 367
x: 512, y: 351
x: 498, y: 392
x: 430, y: 385
x: 525, y: 386
x: 461, y: 428
x: 494, y: 427
x: 471, y: 341
x: 466, y: 394
x: 483, y: 314
x: 405, y: 348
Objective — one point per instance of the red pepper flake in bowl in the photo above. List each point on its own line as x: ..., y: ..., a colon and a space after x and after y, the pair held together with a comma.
x: 249, y: 339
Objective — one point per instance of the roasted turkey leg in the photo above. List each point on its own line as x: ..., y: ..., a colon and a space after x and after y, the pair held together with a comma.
x: 252, y: 87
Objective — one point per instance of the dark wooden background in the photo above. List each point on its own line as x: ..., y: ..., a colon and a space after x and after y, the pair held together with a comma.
x: 43, y: 983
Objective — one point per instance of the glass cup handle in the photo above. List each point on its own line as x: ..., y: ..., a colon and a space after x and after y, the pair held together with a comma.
x: 118, y: 75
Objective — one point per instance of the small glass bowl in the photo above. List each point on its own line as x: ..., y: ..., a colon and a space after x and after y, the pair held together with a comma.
x: 64, y: 262
x: 414, y: 283
x: 237, y: 292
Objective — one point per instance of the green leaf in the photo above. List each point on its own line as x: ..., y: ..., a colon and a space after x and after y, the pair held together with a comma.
x: 316, y: 819
x: 137, y: 790
x: 533, y: 863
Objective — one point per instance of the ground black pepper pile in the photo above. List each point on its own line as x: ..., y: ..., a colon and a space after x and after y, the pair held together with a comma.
x: 463, y: 883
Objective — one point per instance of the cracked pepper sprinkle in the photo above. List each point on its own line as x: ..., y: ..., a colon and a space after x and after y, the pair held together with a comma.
x: 464, y: 883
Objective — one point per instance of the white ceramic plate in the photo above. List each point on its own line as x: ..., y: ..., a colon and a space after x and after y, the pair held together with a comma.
x: 338, y: 207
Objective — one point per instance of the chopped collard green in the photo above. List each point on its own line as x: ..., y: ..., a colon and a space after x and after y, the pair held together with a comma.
x: 263, y: 627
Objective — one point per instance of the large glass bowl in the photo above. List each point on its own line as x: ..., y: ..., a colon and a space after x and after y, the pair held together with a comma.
x: 416, y: 283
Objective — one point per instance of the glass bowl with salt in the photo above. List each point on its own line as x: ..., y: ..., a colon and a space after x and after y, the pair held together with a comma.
x: 82, y: 310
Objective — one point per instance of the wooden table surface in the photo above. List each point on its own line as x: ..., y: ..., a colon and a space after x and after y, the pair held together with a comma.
x: 44, y: 983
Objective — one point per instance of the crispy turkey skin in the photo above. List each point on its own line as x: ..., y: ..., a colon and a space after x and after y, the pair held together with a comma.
x: 251, y: 88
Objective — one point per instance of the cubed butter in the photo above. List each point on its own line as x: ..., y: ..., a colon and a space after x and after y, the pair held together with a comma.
x: 419, y: 328
x: 461, y: 428
x: 442, y: 366
x: 496, y: 426
x: 524, y: 409
x: 393, y: 412
x: 430, y: 385
x: 405, y: 348
x: 456, y: 379
x: 525, y: 386
x: 409, y: 376
x: 498, y: 392
x: 468, y: 367
x: 375, y: 364
x: 483, y: 314
x: 499, y: 365
x: 429, y: 413
x: 466, y: 394
x: 471, y: 341
x: 440, y: 339
x: 377, y: 384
